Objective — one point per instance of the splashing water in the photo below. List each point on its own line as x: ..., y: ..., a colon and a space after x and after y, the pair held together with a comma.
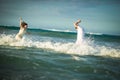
x: 49, y: 55
x: 88, y: 47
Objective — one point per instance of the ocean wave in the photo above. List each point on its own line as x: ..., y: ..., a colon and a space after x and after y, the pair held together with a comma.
x: 87, y: 48
x: 57, y: 30
x: 94, y: 33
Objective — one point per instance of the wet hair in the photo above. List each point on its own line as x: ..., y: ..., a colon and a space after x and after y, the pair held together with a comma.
x: 23, y: 24
x: 75, y: 27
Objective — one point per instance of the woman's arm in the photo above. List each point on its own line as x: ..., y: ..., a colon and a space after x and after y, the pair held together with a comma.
x: 76, y: 24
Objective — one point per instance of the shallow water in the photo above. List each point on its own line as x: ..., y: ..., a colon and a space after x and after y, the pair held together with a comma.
x: 44, y: 55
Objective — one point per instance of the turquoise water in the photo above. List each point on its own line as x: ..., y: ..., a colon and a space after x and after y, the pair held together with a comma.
x: 52, y: 55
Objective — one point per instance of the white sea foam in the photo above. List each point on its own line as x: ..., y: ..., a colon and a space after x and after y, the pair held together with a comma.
x: 87, y: 48
x: 94, y: 33
x: 6, y: 39
x: 59, y: 30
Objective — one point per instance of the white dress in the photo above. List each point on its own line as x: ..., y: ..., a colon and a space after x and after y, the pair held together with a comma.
x: 80, y: 35
x: 20, y: 34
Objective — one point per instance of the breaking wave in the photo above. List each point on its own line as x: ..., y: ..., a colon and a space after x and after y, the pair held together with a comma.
x: 88, y: 47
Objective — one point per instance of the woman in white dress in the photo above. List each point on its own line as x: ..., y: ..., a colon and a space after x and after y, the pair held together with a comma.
x: 22, y: 31
x: 80, y: 33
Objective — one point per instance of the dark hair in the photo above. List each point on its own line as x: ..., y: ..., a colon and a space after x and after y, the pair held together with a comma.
x: 23, y: 24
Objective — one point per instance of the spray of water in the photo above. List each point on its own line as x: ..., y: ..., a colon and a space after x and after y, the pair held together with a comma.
x: 88, y: 47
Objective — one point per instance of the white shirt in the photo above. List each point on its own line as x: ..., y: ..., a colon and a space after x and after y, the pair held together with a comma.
x: 20, y: 34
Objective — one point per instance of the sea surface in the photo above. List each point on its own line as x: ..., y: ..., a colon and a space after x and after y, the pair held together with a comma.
x: 53, y: 55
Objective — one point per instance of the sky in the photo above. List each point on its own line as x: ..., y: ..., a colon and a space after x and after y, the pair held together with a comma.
x: 97, y: 16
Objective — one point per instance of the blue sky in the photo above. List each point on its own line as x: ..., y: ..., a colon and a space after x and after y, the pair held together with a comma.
x: 98, y: 16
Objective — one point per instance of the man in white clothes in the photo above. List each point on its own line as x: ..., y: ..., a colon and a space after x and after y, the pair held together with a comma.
x: 22, y: 31
x: 80, y: 33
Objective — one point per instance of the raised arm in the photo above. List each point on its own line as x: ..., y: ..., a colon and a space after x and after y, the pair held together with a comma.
x: 76, y: 24
x: 20, y: 21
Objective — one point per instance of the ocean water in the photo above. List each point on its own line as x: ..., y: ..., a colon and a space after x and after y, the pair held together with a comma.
x: 53, y: 55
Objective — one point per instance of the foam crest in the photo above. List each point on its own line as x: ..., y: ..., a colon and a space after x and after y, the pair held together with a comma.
x: 6, y: 39
x: 87, y: 48
x: 108, y: 51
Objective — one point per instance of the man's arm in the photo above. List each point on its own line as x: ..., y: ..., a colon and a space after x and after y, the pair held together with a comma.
x: 20, y: 21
